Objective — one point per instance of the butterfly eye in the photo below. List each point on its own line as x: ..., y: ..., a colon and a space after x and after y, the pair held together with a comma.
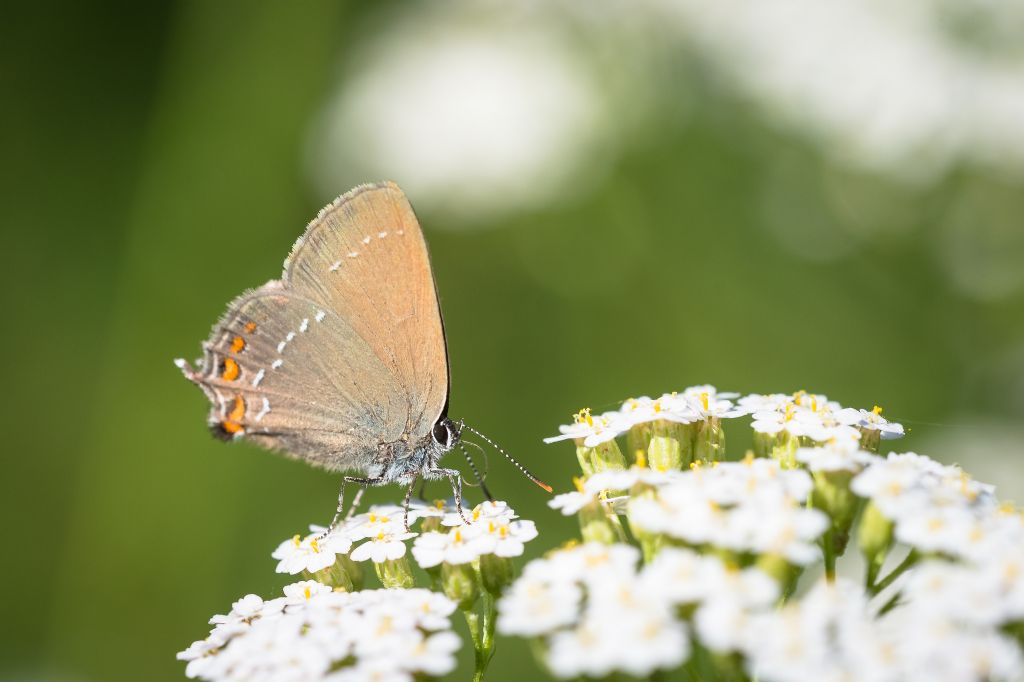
x: 442, y: 435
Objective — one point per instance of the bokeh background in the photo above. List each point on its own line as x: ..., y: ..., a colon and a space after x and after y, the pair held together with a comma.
x: 621, y: 198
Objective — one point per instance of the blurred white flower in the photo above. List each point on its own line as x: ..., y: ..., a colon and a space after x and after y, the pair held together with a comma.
x: 538, y: 604
x: 871, y: 420
x: 840, y: 454
x: 829, y: 634
x: 471, y: 117
x: 893, y: 88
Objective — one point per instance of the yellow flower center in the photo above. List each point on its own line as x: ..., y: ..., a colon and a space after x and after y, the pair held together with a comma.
x: 578, y: 482
x: 307, y: 592
x: 296, y: 540
x: 704, y: 399
x: 316, y: 547
x: 876, y: 410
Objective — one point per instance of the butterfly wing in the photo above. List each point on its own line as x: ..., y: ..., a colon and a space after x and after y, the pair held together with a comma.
x: 329, y: 363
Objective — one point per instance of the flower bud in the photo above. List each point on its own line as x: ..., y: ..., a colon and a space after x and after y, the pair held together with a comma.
x: 395, y: 573
x: 832, y: 495
x: 709, y: 440
x: 594, y: 524
x: 870, y: 439
x: 496, y: 573
x: 459, y: 583
x: 874, y: 535
x: 583, y: 454
x: 607, y: 456
x: 665, y: 450
x: 784, y: 449
x: 638, y: 441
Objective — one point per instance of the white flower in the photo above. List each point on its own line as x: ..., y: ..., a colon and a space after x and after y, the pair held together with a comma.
x: 488, y: 510
x: 312, y: 553
x: 838, y: 454
x: 506, y: 538
x: 871, y: 420
x: 430, y: 654
x: 389, y: 520
x: 322, y: 634
x: 669, y: 407
x: 751, y: 506
x: 460, y: 545
x: 592, y: 430
x: 590, y: 562
x: 538, y: 604
x: 304, y: 590
x: 384, y: 546
x: 827, y: 635
x: 377, y: 669
x: 706, y: 405
x: 905, y: 485
x: 572, y: 502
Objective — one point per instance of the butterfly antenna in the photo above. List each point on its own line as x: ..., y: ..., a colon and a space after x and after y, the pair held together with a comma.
x: 476, y: 472
x: 512, y: 459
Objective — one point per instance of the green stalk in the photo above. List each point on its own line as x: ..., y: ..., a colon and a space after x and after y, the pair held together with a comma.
x: 907, y: 562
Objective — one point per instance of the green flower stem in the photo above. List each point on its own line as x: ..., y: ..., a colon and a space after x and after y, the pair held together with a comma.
x: 481, y: 631
x: 828, y: 553
x: 907, y: 562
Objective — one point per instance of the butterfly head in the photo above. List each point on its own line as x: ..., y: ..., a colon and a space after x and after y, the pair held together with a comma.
x: 446, y: 433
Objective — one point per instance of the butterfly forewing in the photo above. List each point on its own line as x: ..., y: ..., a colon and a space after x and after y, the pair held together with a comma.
x: 365, y: 256
x: 346, y: 352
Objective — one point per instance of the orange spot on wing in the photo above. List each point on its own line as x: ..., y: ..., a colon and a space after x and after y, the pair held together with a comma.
x: 231, y: 370
x: 233, y: 423
x: 237, y: 344
x: 250, y: 327
x: 238, y: 410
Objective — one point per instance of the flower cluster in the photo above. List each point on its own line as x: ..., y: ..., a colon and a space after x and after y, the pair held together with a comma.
x: 689, y: 560
x: 316, y: 633
x: 330, y: 627
x: 694, y: 561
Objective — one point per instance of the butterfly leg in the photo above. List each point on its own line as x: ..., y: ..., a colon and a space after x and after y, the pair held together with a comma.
x: 355, y: 502
x: 341, y: 499
x: 405, y: 505
x: 454, y: 476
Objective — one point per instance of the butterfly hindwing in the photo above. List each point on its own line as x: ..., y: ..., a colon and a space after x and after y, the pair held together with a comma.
x: 346, y: 352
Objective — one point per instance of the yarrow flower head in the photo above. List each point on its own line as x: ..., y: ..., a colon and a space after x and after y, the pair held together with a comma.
x: 690, y: 560
x: 313, y: 632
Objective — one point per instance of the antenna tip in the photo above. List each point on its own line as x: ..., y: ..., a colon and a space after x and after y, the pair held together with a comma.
x: 544, y: 485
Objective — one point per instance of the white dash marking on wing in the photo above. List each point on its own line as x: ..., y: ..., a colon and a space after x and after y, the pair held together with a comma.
x: 400, y: 233
x: 289, y: 337
x: 305, y: 325
x: 335, y: 266
x: 382, y: 234
x: 366, y: 239
x: 280, y: 347
x: 266, y: 409
x: 276, y: 363
x: 320, y: 315
x: 258, y: 378
x: 353, y: 254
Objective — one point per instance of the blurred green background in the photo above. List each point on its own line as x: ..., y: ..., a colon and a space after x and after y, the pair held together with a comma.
x: 611, y: 211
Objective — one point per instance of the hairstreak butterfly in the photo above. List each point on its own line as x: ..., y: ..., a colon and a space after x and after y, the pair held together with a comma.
x: 343, y: 362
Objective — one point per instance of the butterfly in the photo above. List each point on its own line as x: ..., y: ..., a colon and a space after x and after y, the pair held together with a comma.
x: 342, y: 362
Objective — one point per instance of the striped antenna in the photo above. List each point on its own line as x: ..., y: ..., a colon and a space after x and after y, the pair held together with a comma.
x: 476, y: 472
x: 510, y: 458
